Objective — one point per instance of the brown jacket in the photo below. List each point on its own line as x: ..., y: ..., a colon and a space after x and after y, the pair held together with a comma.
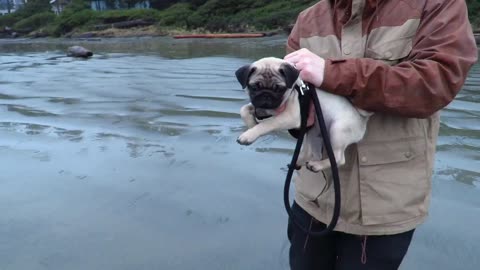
x: 404, y: 60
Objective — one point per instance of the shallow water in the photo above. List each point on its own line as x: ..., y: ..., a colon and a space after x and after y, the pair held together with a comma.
x: 128, y: 160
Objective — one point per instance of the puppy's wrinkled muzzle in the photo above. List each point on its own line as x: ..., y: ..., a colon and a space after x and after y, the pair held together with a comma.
x: 266, y: 100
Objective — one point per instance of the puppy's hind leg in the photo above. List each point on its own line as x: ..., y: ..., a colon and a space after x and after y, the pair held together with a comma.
x: 319, y: 165
x: 340, y: 139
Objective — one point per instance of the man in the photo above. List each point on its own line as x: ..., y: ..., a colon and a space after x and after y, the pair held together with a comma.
x: 403, y: 60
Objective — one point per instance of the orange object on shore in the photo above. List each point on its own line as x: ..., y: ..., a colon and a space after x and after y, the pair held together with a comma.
x: 239, y: 35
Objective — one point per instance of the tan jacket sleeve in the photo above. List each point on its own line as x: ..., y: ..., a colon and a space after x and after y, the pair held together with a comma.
x: 443, y: 51
x: 294, y: 38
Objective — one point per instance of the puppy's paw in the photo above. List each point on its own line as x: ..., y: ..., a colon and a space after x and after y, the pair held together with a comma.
x: 316, y: 166
x: 247, y: 138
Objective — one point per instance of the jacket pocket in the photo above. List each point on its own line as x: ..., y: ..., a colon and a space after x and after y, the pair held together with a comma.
x: 310, y: 185
x: 392, y: 43
x: 394, y: 185
x: 391, y: 51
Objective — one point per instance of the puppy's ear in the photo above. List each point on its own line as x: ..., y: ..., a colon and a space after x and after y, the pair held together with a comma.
x: 289, y: 73
x: 243, y: 74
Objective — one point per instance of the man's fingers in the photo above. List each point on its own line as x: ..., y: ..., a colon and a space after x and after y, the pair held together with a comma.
x: 300, y: 65
x: 294, y: 60
x: 291, y: 57
x: 310, y: 65
x: 296, y: 54
x: 293, y: 63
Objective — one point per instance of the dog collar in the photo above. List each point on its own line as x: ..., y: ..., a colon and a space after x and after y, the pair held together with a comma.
x: 260, y: 114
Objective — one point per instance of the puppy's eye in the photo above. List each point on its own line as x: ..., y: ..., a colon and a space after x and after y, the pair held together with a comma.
x: 255, y: 87
x: 278, y: 88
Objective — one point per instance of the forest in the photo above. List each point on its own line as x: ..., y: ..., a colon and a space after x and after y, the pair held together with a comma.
x: 37, y: 17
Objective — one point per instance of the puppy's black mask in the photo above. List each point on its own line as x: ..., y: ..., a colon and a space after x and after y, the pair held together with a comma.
x: 266, y: 86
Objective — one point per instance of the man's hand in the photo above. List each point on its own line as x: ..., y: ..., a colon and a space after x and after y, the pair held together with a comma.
x: 310, y: 65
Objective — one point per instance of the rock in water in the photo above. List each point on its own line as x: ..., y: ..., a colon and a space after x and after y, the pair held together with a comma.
x: 79, y: 51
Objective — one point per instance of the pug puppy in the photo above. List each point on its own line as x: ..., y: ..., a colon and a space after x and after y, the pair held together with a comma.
x: 270, y: 84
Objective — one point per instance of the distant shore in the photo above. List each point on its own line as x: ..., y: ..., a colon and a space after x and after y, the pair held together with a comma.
x: 152, y: 31
x: 138, y: 31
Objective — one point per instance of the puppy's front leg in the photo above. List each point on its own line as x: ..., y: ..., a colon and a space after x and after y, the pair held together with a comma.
x: 247, y: 113
x: 287, y: 120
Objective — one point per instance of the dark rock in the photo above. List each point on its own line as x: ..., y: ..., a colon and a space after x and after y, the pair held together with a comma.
x: 79, y: 51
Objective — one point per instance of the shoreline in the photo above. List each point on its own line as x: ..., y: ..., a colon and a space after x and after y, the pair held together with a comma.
x: 146, y: 28
x: 144, y: 31
x: 137, y: 34
x: 152, y: 31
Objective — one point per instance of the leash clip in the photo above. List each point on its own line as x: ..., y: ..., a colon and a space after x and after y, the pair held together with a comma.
x: 303, y: 88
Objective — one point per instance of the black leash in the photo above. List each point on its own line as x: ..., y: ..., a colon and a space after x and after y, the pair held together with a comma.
x: 306, y: 93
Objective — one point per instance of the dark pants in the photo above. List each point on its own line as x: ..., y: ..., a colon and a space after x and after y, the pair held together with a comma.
x: 341, y: 251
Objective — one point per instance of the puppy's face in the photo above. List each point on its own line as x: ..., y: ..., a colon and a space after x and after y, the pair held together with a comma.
x: 267, y: 81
